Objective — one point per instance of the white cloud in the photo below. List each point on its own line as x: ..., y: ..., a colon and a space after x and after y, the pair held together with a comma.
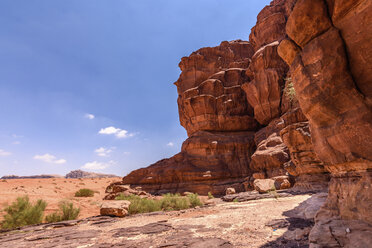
x: 17, y: 136
x: 16, y: 142
x: 97, y: 165
x: 48, y: 158
x: 103, y: 152
x: 122, y: 134
x: 170, y: 144
x: 4, y: 153
x: 89, y: 116
x: 119, y: 133
x: 109, y: 130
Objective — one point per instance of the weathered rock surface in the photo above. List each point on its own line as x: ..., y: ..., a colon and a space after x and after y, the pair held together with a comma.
x: 271, y: 153
x: 200, y: 65
x: 222, y: 225
x: 217, y: 104
x: 265, y: 89
x: 332, y: 79
x: 208, y: 162
x: 304, y: 165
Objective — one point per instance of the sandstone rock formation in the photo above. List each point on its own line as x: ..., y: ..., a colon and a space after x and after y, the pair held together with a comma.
x: 304, y: 165
x: 271, y: 153
x: 231, y: 101
x: 220, y: 123
x: 332, y: 76
x: 208, y: 162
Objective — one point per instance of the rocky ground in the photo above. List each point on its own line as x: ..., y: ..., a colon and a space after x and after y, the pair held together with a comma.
x: 55, y: 190
x: 281, y: 222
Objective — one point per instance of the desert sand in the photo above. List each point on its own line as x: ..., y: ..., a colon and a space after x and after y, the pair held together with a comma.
x: 55, y: 190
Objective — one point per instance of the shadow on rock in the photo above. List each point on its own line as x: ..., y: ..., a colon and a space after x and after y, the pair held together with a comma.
x: 298, y: 223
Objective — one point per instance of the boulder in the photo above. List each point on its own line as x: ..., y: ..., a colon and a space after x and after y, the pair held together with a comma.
x: 230, y: 191
x: 282, y: 182
x: 115, y: 208
x: 264, y: 185
x: 307, y: 20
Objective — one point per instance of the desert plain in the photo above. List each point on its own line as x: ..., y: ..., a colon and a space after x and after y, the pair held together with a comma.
x: 55, y: 190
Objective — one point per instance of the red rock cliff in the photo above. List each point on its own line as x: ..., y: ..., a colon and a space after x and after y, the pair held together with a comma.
x: 329, y: 51
x: 214, y: 110
x: 233, y: 102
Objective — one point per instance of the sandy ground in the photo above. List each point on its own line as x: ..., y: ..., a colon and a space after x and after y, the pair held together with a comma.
x: 55, y: 190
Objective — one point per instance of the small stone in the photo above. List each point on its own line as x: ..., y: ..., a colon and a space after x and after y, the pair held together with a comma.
x: 230, y: 191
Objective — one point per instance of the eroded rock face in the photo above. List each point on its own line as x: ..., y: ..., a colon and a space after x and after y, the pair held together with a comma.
x: 217, y: 104
x: 304, y: 165
x: 332, y: 79
x: 267, y: 69
x: 226, y: 93
x: 200, y: 65
x: 271, y: 153
x: 208, y: 162
x: 265, y: 89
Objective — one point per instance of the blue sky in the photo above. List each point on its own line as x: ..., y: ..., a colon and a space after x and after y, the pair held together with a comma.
x: 89, y: 83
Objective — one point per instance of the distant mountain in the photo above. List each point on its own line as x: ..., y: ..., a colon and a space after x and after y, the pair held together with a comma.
x: 30, y: 177
x: 71, y: 174
x: 85, y: 174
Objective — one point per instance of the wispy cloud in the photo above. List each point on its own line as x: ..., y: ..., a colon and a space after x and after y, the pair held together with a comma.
x: 97, y: 165
x: 48, y: 158
x: 126, y: 153
x: 4, y: 153
x: 170, y: 144
x: 104, y: 152
x: 89, y: 116
x: 17, y: 136
x: 119, y: 133
x: 16, y: 142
